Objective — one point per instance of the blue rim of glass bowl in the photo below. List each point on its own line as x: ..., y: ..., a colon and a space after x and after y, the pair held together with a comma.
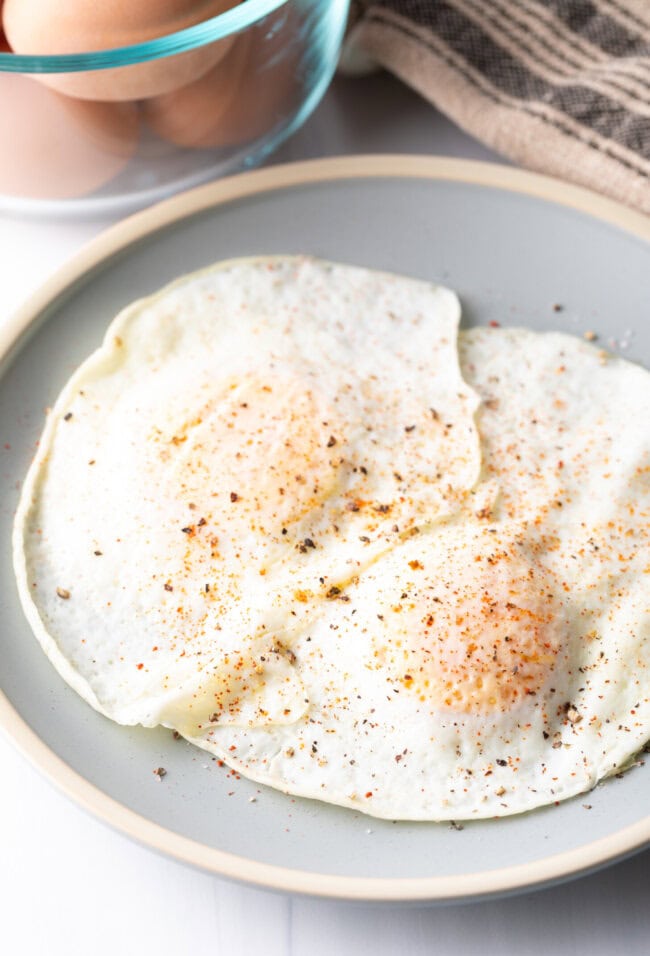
x: 216, y: 28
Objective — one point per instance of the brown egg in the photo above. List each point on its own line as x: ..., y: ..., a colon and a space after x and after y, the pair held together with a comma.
x: 4, y: 44
x: 272, y: 87
x: 191, y: 115
x: 253, y: 88
x: 56, y: 147
x: 78, y: 26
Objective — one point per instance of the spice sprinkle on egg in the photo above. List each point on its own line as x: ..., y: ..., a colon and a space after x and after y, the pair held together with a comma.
x: 354, y: 553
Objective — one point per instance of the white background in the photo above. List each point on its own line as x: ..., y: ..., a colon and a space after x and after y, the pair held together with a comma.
x: 69, y: 885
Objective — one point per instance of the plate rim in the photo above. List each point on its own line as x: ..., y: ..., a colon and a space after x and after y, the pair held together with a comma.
x: 115, y: 239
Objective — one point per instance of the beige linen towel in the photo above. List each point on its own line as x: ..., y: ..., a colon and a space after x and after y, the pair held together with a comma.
x: 561, y: 86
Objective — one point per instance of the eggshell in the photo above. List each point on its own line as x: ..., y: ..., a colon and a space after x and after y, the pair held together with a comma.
x: 48, y: 27
x: 4, y: 44
x: 56, y: 147
x: 191, y: 116
x: 243, y: 97
x: 272, y: 87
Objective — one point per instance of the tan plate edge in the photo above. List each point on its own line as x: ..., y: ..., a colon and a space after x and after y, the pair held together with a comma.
x: 448, y: 888
x: 92, y: 799
x: 390, y: 166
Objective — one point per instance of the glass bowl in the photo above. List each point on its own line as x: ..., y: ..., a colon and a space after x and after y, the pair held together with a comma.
x: 113, y: 130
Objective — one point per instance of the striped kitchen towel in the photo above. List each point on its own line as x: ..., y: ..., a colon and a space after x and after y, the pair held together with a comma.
x: 560, y: 86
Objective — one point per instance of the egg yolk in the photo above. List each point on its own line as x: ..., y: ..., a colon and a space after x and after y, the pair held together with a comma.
x: 263, y: 446
x: 481, y: 632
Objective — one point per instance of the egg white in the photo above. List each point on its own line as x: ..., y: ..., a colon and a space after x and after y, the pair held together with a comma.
x: 275, y: 513
x: 240, y: 446
x: 500, y: 660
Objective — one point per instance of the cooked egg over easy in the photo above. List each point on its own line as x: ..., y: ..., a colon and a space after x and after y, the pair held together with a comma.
x: 500, y: 659
x: 275, y: 512
x: 239, y: 449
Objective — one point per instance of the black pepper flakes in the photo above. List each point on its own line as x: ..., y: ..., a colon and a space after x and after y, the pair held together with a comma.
x: 573, y: 716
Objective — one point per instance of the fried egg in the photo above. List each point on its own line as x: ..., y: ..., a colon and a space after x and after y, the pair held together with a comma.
x: 239, y: 447
x: 499, y: 660
x: 286, y: 510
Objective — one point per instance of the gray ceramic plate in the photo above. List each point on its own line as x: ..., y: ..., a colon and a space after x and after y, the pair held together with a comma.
x: 514, y: 245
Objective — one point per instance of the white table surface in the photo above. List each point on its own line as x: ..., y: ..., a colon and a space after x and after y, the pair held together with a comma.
x: 69, y: 885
